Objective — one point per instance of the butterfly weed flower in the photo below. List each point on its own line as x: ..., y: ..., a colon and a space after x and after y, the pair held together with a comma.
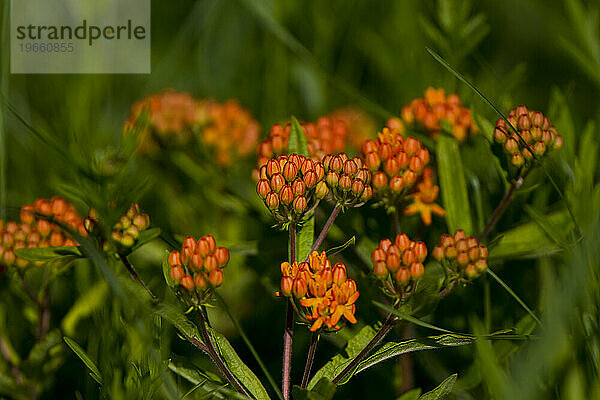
x: 399, y: 265
x: 291, y: 186
x: 171, y: 118
x: 197, y: 268
x: 423, y: 199
x: 323, y: 293
x: 41, y: 225
x: 463, y: 257
x: 395, y: 163
x: 228, y: 130
x: 535, y: 136
x: 427, y: 114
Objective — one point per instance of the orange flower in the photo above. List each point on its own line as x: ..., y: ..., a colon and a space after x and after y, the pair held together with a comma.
x: 324, y: 293
x: 424, y: 200
x: 428, y: 112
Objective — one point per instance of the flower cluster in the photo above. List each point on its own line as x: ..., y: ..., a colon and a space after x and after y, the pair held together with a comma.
x: 399, y: 265
x: 396, y: 164
x: 428, y: 112
x: 323, y: 137
x: 535, y: 135
x: 41, y: 225
x: 325, y: 293
x: 424, y: 199
x: 228, y: 129
x: 172, y: 116
x: 125, y: 232
x: 348, y: 181
x: 198, y: 267
x: 461, y: 254
x: 290, y: 186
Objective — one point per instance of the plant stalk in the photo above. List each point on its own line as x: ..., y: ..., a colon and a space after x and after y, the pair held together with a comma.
x: 135, y: 276
x: 516, y: 184
x: 334, y: 213
x: 216, y: 357
x: 288, y: 333
x: 312, y: 350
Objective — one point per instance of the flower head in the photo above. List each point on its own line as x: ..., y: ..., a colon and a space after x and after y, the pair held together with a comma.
x: 290, y: 186
x: 324, y: 292
x: 461, y: 255
x: 535, y: 136
x: 427, y: 113
x: 399, y: 265
x: 197, y: 268
x: 395, y: 163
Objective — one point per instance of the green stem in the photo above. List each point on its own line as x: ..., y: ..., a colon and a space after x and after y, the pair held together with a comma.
x: 135, y: 276
x: 334, y: 213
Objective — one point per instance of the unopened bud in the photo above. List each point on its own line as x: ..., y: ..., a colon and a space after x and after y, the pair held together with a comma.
x: 417, y: 270
x: 403, y: 276
x: 216, y: 277
x: 263, y: 188
x: 187, y: 282
x: 300, y: 204
x: 286, y: 195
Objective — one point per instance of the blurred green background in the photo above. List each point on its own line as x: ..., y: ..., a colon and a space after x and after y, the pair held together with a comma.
x: 307, y: 58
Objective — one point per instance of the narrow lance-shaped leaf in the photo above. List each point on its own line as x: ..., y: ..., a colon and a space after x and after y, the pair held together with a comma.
x: 323, y: 390
x: 453, y: 185
x: 442, y: 391
x: 95, y: 372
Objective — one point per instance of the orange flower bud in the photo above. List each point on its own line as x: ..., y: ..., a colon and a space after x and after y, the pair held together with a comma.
x: 380, y: 270
x: 474, y: 253
x: 196, y: 261
x: 345, y: 183
x: 290, y: 171
x: 420, y: 251
x: 332, y: 179
x: 408, y: 256
x: 481, y: 264
x: 471, y: 271
x: 412, y: 146
x: 462, y: 245
x: 391, y: 166
x: 286, y: 195
x: 380, y: 180
x: 300, y: 204
x: 187, y: 282
x: 451, y: 252
x: 27, y: 214
x: 397, y: 184
x: 417, y: 270
x: 299, y: 288
x: 222, y: 255
x: 403, y: 276
x: 176, y: 273
x: 286, y: 285
x: 372, y: 161
x: 298, y: 187
x: 367, y: 194
x: 321, y: 190
x: 216, y: 277
x: 385, y: 244
x: 174, y: 258
x: 277, y: 182
x: 310, y: 179
x: 200, y: 281
x: 402, y: 241
x: 263, y: 188
x: 211, y: 263
x: 203, y: 247
x: 378, y: 255
x: 339, y: 275
x: 357, y: 187
x: 462, y: 258
x: 393, y: 262
x: 385, y: 151
x: 350, y: 168
x: 43, y: 227
x: 438, y: 252
x: 272, y: 168
x: 272, y: 201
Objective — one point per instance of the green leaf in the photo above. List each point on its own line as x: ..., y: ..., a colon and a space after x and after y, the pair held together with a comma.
x: 323, y: 390
x: 86, y: 304
x: 411, y: 395
x: 453, y: 185
x: 176, y: 317
x: 241, y: 371
x: 409, y: 318
x: 338, y: 362
x: 529, y: 240
x: 40, y: 350
x: 442, y: 391
x: 305, y: 237
x: 146, y: 236
x: 48, y: 253
x: 95, y: 372
x: 9, y: 387
x: 297, y: 141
